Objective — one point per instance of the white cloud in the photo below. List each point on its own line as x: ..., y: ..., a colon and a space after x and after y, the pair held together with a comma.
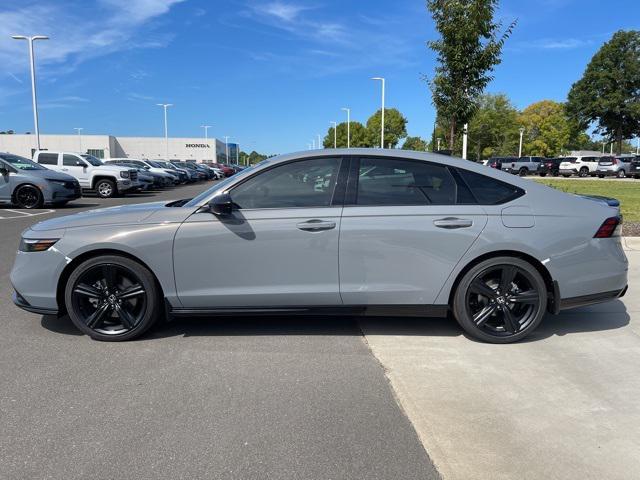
x: 78, y: 34
x: 287, y: 12
x: 562, y: 44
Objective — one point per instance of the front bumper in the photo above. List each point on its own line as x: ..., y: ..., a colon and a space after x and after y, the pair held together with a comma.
x: 22, y: 303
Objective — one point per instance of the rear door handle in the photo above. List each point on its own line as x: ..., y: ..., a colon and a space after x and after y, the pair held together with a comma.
x: 316, y: 225
x: 451, y: 223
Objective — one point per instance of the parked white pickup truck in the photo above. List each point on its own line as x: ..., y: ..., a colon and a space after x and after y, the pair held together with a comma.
x: 522, y: 166
x: 91, y: 173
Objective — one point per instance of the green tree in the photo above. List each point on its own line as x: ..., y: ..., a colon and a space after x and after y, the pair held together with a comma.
x: 608, y: 94
x: 359, y: 136
x: 415, y: 143
x: 395, y: 128
x: 547, y: 129
x: 469, y: 48
x: 493, y: 129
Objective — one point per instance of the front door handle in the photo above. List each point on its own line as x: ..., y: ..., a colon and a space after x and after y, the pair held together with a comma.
x: 64, y: 169
x: 316, y: 225
x: 452, y: 223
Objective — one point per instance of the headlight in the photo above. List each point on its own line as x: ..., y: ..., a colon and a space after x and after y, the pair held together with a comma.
x: 124, y: 174
x: 36, y: 244
x: 57, y: 182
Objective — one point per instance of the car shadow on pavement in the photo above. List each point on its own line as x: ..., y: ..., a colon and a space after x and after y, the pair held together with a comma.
x: 597, y: 318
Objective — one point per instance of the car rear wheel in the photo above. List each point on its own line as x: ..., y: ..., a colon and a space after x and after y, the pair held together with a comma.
x: 106, y: 188
x: 584, y: 171
x: 500, y: 300
x: 28, y: 196
x: 112, y: 298
x: 523, y: 172
x: 621, y: 174
x: 543, y: 174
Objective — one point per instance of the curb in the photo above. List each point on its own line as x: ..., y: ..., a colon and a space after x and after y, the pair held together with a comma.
x: 631, y: 243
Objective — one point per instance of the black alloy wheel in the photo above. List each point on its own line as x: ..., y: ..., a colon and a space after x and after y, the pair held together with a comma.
x: 501, y: 300
x: 583, y: 172
x: 28, y: 196
x: 112, y: 298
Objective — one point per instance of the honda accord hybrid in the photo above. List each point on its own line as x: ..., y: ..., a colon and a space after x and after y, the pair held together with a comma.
x: 326, y: 232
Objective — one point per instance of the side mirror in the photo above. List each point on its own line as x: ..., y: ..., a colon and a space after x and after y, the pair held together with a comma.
x: 80, y: 163
x: 221, y: 205
x: 4, y: 171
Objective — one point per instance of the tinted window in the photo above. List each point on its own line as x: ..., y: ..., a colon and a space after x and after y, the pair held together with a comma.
x: 48, y: 158
x: 384, y: 181
x: 72, y: 161
x: 307, y: 183
x: 20, y: 163
x: 489, y: 191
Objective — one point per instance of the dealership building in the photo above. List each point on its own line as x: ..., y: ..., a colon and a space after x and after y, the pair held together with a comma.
x: 109, y: 146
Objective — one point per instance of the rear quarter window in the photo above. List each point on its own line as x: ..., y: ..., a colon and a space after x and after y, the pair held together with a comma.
x: 489, y: 191
x: 48, y: 158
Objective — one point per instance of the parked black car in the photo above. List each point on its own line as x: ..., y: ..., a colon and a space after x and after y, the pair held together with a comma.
x: 550, y: 166
x: 634, y: 169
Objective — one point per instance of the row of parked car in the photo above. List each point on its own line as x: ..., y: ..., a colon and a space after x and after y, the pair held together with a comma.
x: 56, y: 178
x: 620, y: 166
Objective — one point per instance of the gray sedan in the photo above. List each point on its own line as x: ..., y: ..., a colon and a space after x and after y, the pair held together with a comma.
x: 345, y: 231
x: 27, y: 184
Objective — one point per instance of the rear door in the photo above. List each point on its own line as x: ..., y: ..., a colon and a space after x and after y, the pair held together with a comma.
x: 405, y: 225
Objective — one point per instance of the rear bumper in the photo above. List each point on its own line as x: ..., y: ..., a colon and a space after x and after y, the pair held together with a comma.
x: 567, y: 303
x: 568, y: 171
x: 606, y: 173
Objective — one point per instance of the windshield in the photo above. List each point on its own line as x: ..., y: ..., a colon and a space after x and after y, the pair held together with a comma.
x: 96, y: 162
x: 154, y: 164
x: 21, y: 163
x: 196, y: 201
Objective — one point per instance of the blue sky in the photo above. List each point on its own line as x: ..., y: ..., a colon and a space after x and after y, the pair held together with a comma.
x: 270, y: 74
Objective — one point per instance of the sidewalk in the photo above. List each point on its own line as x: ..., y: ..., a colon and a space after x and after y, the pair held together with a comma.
x: 564, y: 404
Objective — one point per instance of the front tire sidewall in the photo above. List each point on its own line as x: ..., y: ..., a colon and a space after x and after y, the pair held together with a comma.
x: 146, y: 279
x: 459, y: 300
x: 112, y: 186
x: 39, y: 202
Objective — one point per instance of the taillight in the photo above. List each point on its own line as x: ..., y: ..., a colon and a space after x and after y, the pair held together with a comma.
x: 609, y: 228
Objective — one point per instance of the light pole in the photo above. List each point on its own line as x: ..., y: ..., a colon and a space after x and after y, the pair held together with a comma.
x: 520, y: 148
x: 381, y: 112
x: 313, y: 143
x: 206, y: 133
x: 465, y: 132
x: 348, y: 110
x: 319, y: 142
x: 33, y: 79
x: 638, y: 146
x: 79, y: 130
x: 439, y: 144
x: 166, y: 130
x: 226, y: 147
x: 335, y: 134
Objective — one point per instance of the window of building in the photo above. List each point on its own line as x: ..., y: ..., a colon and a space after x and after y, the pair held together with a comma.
x: 99, y: 153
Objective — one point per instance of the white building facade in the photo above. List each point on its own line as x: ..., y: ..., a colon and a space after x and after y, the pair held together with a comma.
x: 108, y: 146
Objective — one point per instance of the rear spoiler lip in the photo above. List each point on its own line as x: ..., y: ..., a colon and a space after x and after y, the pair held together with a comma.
x: 612, y: 202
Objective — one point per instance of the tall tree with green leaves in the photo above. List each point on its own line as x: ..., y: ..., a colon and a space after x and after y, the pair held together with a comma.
x: 359, y: 136
x: 395, y: 127
x: 608, y: 94
x: 469, y: 47
x: 493, y: 129
x: 547, y: 129
x: 415, y: 143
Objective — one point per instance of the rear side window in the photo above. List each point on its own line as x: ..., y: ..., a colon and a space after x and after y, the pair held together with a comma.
x: 48, y: 158
x: 489, y: 191
x: 384, y: 181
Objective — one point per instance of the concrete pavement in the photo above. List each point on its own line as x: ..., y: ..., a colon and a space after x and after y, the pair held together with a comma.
x: 564, y: 404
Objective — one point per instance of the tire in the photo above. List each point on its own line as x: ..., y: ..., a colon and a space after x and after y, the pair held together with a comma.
x: 28, y: 196
x: 636, y: 177
x: 621, y: 174
x: 479, y: 305
x: 600, y: 176
x: 523, y: 172
x: 543, y: 174
x: 555, y: 173
x: 565, y: 175
x: 106, y: 188
x: 584, y: 171
x: 112, y: 298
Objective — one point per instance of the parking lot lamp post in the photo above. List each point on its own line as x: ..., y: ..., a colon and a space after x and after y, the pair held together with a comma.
x: 348, y: 110
x: 439, y: 144
x: 520, y: 148
x: 226, y: 147
x: 319, y: 142
x: 206, y: 133
x: 166, y: 130
x: 637, y: 145
x: 465, y: 131
x: 33, y: 80
x: 335, y: 134
x: 381, y: 113
x: 79, y: 130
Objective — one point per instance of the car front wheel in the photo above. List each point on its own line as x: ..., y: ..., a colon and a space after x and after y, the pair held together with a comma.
x: 106, y: 188
x: 28, y: 196
x: 583, y: 172
x: 500, y: 300
x: 112, y: 298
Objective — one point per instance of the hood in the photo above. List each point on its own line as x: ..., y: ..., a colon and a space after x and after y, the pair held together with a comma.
x: 120, y: 215
x: 49, y: 175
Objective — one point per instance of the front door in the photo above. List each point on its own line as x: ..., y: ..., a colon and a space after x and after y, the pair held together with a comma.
x: 5, y: 183
x: 76, y: 167
x: 279, y: 246
x: 404, y: 227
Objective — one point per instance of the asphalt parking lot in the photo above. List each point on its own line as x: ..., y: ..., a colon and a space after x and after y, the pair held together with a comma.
x: 222, y: 398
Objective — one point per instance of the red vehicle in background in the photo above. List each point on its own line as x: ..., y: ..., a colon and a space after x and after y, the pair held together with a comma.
x: 227, y: 170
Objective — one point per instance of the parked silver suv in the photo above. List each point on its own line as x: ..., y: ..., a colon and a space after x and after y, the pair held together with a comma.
x: 619, y: 166
x: 26, y: 184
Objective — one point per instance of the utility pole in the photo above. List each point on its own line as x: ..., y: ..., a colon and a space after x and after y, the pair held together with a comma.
x: 33, y: 80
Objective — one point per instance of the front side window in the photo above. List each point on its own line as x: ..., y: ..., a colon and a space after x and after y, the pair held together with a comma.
x: 20, y: 163
x: 306, y: 183
x: 48, y: 158
x: 71, y: 161
x: 387, y: 181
